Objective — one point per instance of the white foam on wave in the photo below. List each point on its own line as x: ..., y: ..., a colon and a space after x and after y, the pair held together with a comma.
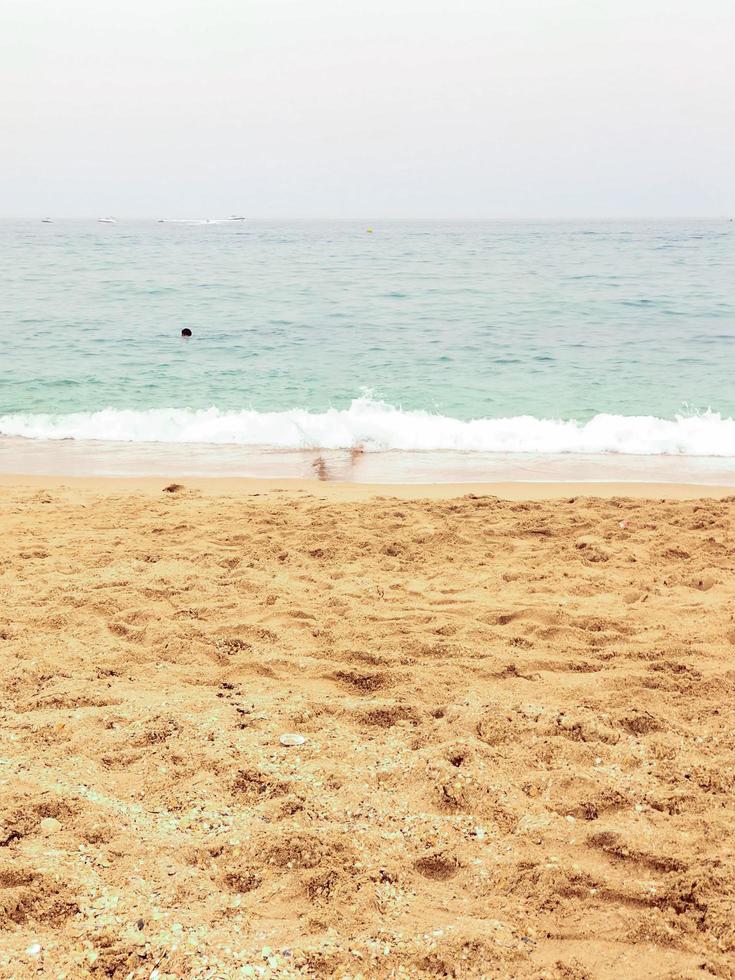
x: 377, y: 426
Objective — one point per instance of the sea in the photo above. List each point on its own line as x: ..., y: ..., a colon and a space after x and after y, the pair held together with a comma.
x: 391, y: 351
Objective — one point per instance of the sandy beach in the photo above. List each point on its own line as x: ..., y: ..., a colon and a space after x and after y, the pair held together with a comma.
x: 515, y: 715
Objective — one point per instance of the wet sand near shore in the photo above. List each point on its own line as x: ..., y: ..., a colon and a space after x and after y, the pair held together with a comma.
x: 62, y: 458
x: 516, y: 713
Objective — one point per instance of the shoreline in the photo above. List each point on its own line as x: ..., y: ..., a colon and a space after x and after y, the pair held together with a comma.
x: 457, y: 472
x: 339, y: 491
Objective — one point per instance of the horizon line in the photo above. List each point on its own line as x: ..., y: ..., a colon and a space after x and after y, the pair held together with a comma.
x: 157, y: 219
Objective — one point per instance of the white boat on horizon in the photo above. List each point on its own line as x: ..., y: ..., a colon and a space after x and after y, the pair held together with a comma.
x: 47, y: 221
x: 108, y: 221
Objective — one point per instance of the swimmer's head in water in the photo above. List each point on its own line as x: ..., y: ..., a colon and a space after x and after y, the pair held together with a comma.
x: 186, y: 332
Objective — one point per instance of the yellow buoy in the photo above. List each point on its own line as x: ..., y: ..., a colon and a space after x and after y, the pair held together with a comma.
x: 370, y: 231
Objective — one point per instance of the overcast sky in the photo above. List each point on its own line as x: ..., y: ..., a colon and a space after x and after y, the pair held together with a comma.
x: 367, y: 108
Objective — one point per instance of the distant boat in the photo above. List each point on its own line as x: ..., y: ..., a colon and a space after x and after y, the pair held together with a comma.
x: 236, y: 217
x: 108, y: 221
x: 47, y: 221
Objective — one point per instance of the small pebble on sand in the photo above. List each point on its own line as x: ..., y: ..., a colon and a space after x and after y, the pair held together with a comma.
x: 290, y: 738
x: 49, y: 825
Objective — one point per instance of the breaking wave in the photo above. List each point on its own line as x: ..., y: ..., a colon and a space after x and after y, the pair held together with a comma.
x: 377, y: 426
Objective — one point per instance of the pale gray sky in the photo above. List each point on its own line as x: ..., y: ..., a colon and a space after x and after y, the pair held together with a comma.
x: 370, y: 109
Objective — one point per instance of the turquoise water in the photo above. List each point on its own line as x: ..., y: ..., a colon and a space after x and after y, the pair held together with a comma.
x: 478, y: 321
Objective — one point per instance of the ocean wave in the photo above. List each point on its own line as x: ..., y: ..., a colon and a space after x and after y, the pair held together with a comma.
x: 376, y: 426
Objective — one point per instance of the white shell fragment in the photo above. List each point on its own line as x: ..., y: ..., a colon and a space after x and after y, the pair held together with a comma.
x: 290, y: 738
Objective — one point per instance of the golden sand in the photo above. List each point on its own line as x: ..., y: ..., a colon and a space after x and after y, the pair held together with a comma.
x: 518, y: 723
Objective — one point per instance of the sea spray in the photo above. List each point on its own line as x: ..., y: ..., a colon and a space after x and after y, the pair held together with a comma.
x: 376, y: 426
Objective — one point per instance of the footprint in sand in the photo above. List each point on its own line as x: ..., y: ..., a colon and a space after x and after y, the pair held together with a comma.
x: 438, y: 867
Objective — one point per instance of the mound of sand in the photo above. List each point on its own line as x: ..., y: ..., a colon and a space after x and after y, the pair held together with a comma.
x: 519, y: 754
